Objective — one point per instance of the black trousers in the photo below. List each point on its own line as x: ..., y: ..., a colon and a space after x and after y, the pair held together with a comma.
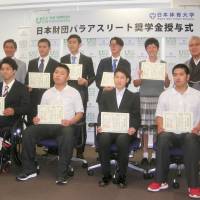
x: 65, y: 140
x: 122, y: 141
x: 190, y: 143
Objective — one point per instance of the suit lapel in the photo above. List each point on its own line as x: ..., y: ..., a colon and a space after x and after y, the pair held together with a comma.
x: 48, y: 67
x: 114, y: 99
x: 11, y: 92
x: 124, y: 99
x: 1, y: 88
x: 110, y: 64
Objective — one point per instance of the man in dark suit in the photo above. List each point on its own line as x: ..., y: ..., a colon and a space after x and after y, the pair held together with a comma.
x: 109, y: 64
x: 118, y: 100
x: 42, y: 64
x: 17, y: 99
x: 82, y: 84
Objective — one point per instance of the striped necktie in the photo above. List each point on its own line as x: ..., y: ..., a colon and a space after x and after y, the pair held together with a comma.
x: 5, y: 91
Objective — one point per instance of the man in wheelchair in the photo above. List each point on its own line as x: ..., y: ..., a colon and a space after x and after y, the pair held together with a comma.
x: 118, y: 100
x: 60, y: 94
x: 179, y: 101
x: 15, y: 102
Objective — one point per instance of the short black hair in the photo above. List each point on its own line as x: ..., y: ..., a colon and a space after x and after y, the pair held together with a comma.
x: 64, y: 66
x: 118, y: 40
x: 75, y: 36
x: 45, y: 40
x: 124, y: 71
x: 150, y: 41
x: 9, y: 61
x: 10, y: 41
x: 181, y: 66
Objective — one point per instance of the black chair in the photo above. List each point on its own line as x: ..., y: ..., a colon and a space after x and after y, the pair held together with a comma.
x: 51, y: 143
x: 134, y: 146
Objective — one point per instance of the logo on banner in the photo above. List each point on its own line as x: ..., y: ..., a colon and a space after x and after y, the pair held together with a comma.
x: 172, y: 15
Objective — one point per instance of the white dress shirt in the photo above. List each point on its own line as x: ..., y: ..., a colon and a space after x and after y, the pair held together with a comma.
x: 46, y: 60
x: 119, y: 96
x: 68, y: 97
x: 173, y: 101
x: 9, y: 86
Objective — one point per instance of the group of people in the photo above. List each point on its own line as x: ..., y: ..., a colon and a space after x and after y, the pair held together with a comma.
x: 146, y: 108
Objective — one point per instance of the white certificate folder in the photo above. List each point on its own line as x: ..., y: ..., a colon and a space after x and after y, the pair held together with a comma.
x: 50, y: 114
x: 112, y: 122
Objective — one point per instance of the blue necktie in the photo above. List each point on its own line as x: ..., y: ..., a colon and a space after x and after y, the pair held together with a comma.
x: 41, y: 66
x: 114, y: 64
x: 73, y: 59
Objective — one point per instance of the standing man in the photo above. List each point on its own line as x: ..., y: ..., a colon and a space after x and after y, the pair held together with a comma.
x: 10, y: 48
x: 110, y: 64
x: 194, y: 62
x: 82, y: 84
x: 42, y: 64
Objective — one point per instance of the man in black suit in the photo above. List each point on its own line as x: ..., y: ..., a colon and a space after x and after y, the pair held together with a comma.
x: 17, y: 99
x: 42, y: 64
x: 82, y: 84
x: 109, y: 64
x: 118, y: 100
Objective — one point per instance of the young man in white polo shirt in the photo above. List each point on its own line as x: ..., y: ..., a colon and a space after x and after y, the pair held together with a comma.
x: 60, y: 94
x: 180, y: 98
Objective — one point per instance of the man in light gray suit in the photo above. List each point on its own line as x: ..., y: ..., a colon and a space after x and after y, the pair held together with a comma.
x: 10, y: 47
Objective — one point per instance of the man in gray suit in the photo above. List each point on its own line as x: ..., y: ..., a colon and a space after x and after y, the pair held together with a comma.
x: 10, y: 47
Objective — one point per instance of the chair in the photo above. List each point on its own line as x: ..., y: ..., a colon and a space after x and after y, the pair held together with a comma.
x: 51, y: 143
x: 176, y: 164
x: 131, y: 165
x: 10, y: 145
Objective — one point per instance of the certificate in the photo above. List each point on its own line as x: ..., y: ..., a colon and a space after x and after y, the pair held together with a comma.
x: 112, y: 122
x: 75, y: 71
x: 2, y: 105
x: 107, y: 79
x: 153, y: 71
x: 50, y: 114
x: 39, y: 80
x: 178, y: 122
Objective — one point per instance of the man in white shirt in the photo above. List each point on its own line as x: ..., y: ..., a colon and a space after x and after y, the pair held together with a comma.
x: 181, y: 98
x: 70, y: 98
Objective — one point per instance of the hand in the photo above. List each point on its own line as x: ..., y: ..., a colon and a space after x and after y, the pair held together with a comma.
x: 36, y: 120
x: 66, y: 122
x: 196, y: 130
x: 29, y: 89
x: 107, y: 88
x: 9, y: 112
x: 160, y: 130
x: 99, y: 129
x: 131, y: 131
x: 83, y: 81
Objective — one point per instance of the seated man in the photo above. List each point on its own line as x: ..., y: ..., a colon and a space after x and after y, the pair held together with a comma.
x: 17, y: 100
x: 180, y: 98
x: 119, y: 100
x: 70, y: 98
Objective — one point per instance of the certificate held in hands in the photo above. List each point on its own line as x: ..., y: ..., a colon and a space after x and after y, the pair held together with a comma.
x: 2, y: 105
x: 112, y: 122
x: 153, y: 71
x: 178, y: 122
x: 75, y: 71
x: 39, y: 80
x: 107, y: 79
x: 50, y: 114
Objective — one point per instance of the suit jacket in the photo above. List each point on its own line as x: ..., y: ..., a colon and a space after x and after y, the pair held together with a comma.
x: 21, y: 71
x: 130, y: 103
x: 87, y: 73
x: 17, y: 98
x: 105, y: 65
x: 36, y: 94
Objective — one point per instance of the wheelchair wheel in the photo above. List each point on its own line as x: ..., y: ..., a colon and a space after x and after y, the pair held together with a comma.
x: 175, y: 184
x: 70, y: 171
x: 90, y: 172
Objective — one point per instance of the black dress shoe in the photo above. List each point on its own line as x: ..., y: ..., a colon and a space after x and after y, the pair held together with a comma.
x: 105, y: 181
x: 121, y: 182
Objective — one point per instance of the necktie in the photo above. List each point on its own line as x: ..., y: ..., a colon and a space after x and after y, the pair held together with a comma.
x: 114, y: 64
x: 5, y: 91
x: 73, y: 59
x: 41, y: 66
